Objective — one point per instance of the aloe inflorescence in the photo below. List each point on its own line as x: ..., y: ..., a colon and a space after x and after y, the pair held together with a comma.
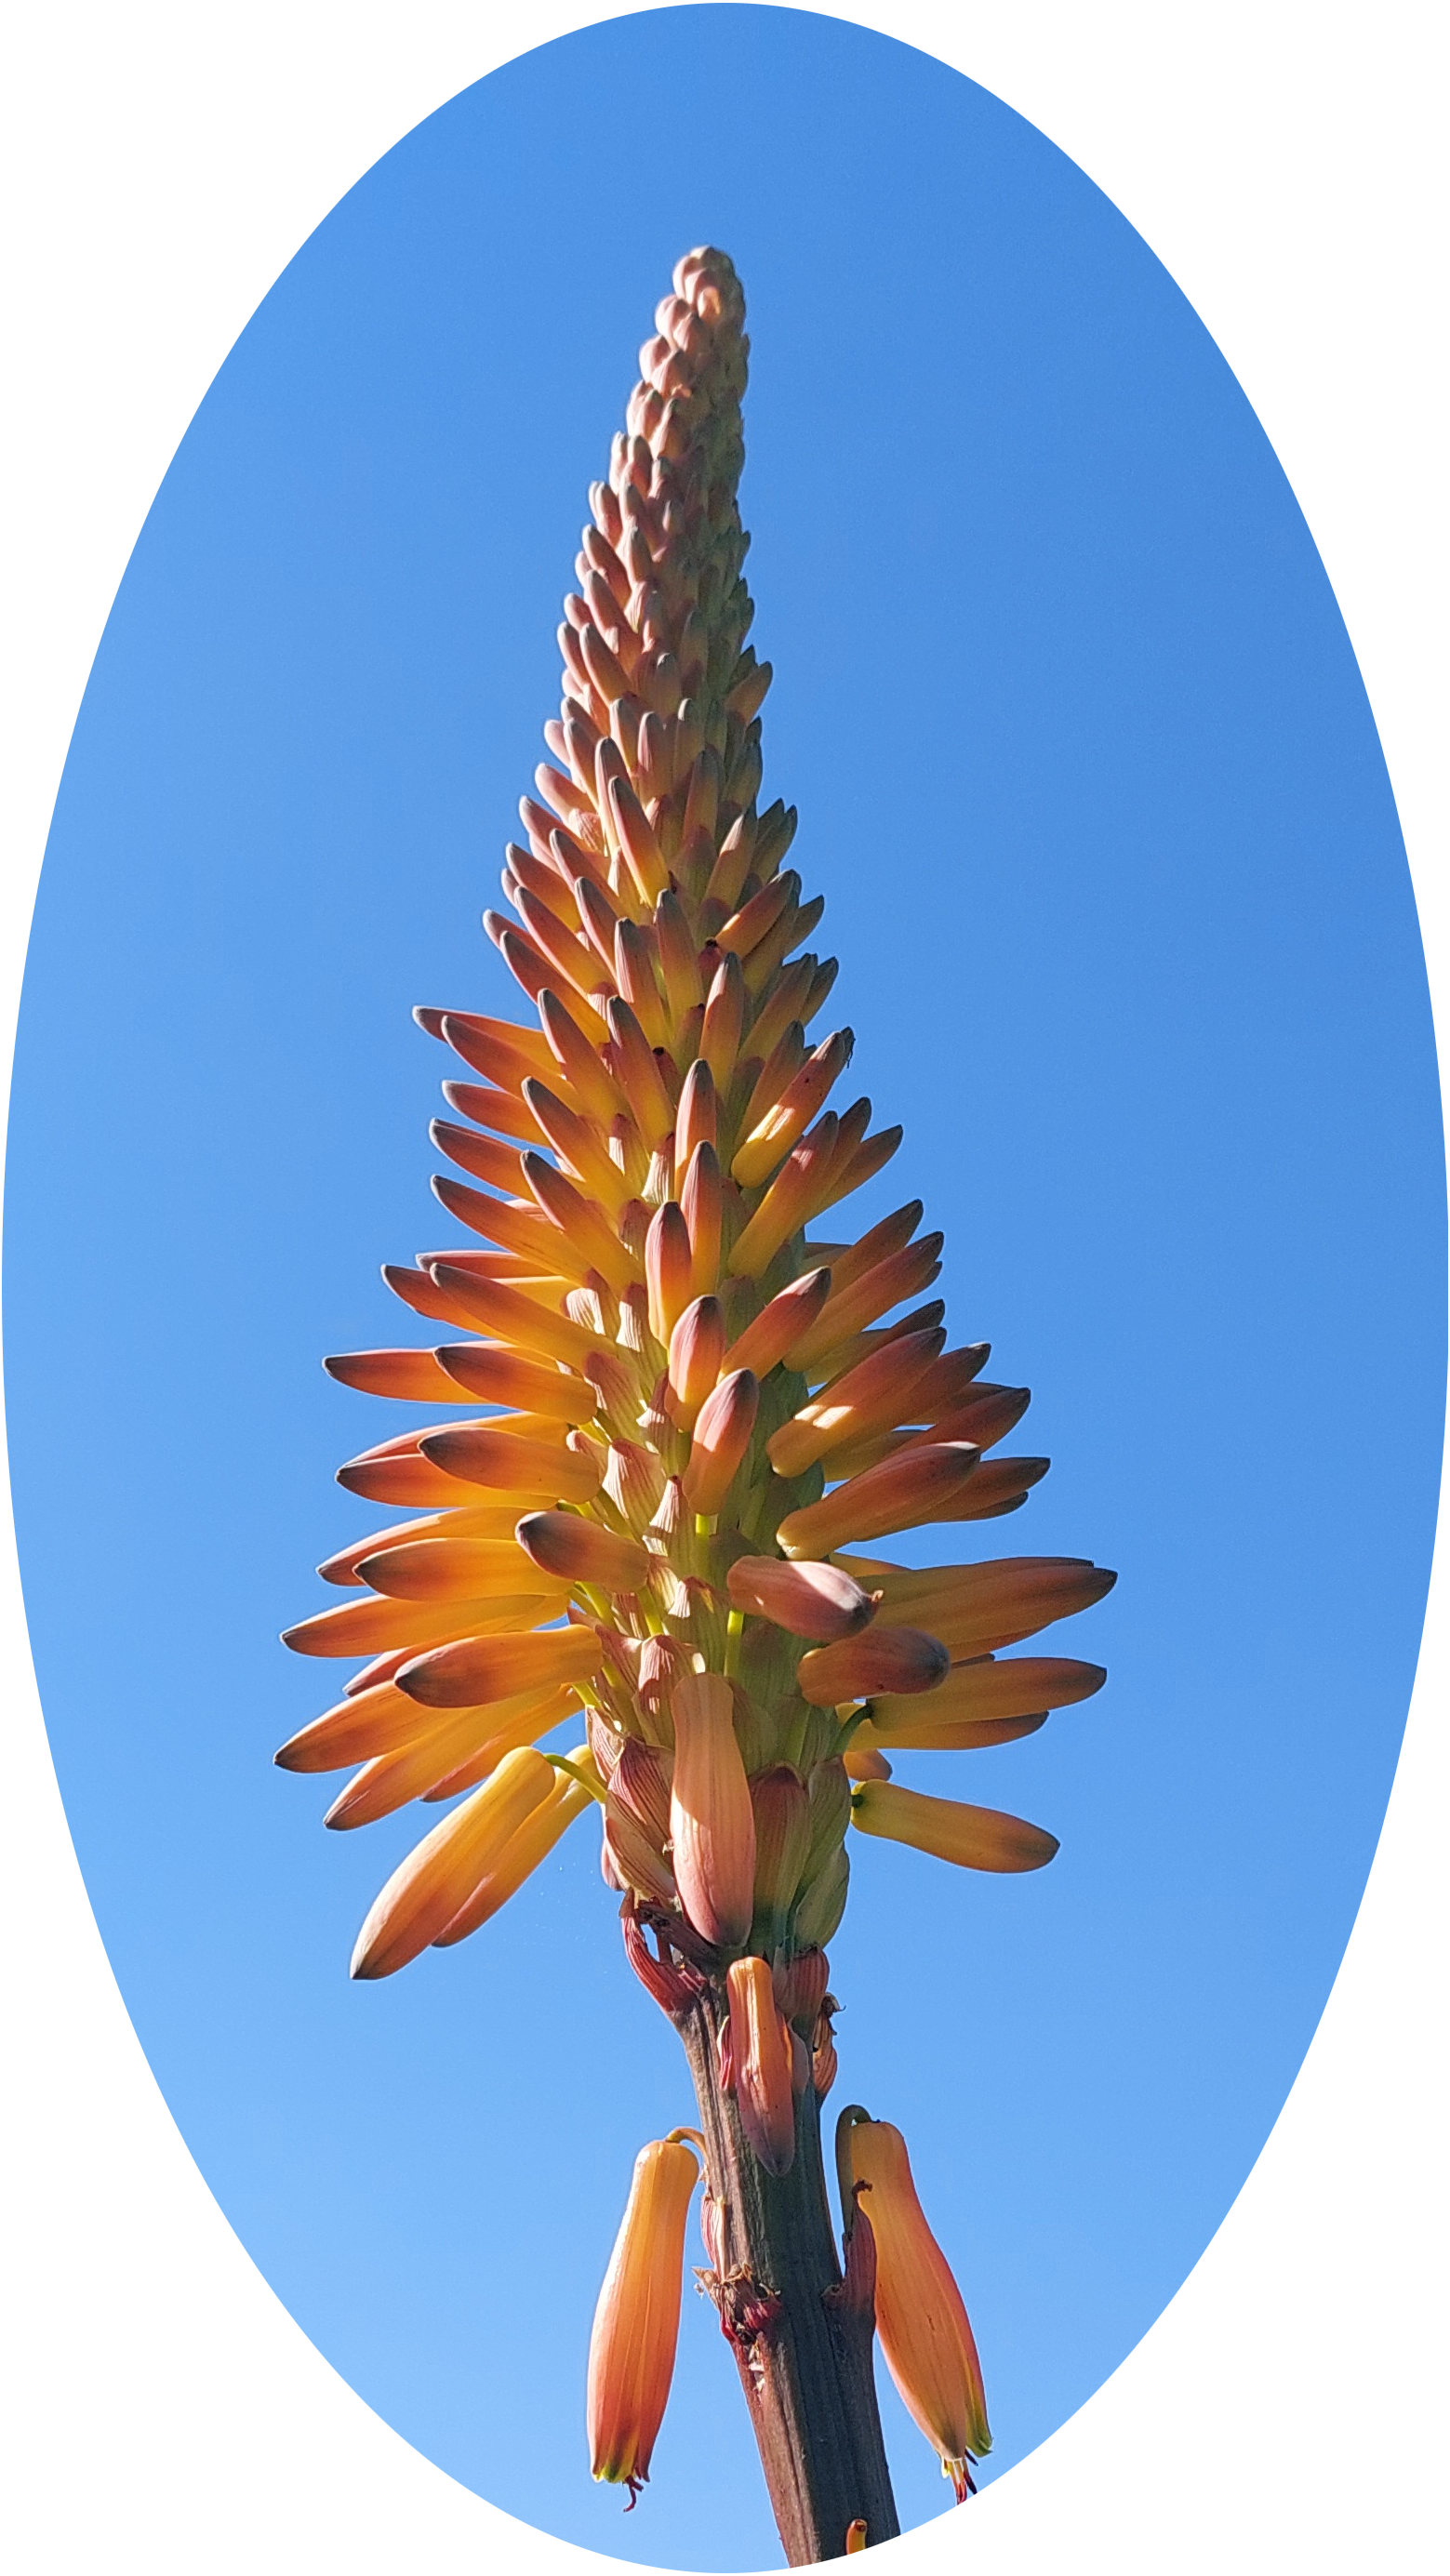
x: 700, y: 1412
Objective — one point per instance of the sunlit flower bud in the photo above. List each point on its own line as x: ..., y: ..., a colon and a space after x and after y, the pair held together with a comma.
x: 424, y: 1894
x: 903, y: 1660
x: 479, y: 1454
x: 973, y: 1837
x: 530, y: 1844
x: 722, y: 1436
x: 766, y: 1341
x: 636, y: 2323
x: 920, y: 2317
x: 806, y: 1599
x: 712, y: 1822
x: 667, y: 1261
x: 782, y: 1842
x: 761, y: 2054
x: 792, y: 1198
x: 697, y: 1346
x: 580, y: 1552
x: 695, y: 1118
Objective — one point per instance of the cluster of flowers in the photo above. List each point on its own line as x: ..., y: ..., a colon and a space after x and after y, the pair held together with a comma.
x: 694, y: 1407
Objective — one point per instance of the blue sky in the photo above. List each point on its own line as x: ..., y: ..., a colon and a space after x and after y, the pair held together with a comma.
x: 1087, y: 775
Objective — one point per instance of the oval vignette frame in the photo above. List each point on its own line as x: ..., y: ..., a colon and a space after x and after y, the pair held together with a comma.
x: 1180, y: 2350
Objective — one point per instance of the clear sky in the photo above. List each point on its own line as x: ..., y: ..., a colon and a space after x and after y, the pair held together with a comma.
x: 1087, y: 775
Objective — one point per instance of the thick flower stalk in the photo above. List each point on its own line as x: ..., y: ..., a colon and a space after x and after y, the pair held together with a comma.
x: 689, y: 1390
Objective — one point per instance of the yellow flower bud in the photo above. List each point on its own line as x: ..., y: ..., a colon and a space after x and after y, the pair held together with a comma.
x: 637, y: 2320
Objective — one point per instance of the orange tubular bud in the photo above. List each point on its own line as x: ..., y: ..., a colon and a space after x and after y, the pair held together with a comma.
x: 450, y: 1569
x: 530, y: 1844
x: 478, y: 1455
x: 761, y: 2051
x: 695, y: 1118
x: 637, y: 2320
x: 722, y: 1436
x: 925, y: 2335
x: 495, y: 1307
x: 970, y: 1837
x: 895, y: 1659
x: 479, y: 1669
x: 667, y: 1267
x: 639, y: 1076
x: 807, y: 1600
x: 712, y: 1822
x: 578, y: 1551
x: 700, y: 1205
x: 570, y: 1054
x: 792, y: 1198
x: 974, y: 1609
x: 500, y: 1376
x: 422, y: 1897
x: 902, y: 1493
x: 576, y: 1143
x: 792, y: 1113
x: 988, y: 1694
x: 765, y: 1341
x: 697, y: 1346
x: 903, y: 1274
x: 679, y: 958
x: 724, y: 1020
x: 875, y: 1392
x: 414, y: 1376
x: 581, y: 1220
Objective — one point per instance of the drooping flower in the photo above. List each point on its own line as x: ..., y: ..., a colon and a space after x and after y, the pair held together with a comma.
x: 637, y: 2320
x: 925, y: 2333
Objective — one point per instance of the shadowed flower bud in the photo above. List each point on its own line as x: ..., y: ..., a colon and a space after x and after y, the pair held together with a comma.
x: 800, y: 1985
x: 637, y: 2320
x: 778, y: 1325
x: 532, y: 1843
x: 479, y: 1669
x: 667, y: 1266
x: 579, y: 1551
x: 904, y: 1660
x: 722, y: 1436
x: 899, y: 1494
x: 920, y: 2317
x: 806, y: 1599
x: 973, y: 1837
x: 760, y: 2055
x: 697, y: 1346
x: 712, y: 1822
x: 782, y: 1841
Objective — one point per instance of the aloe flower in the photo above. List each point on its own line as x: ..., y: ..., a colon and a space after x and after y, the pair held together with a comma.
x: 637, y: 2320
x: 669, y: 1387
x: 930, y: 2350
